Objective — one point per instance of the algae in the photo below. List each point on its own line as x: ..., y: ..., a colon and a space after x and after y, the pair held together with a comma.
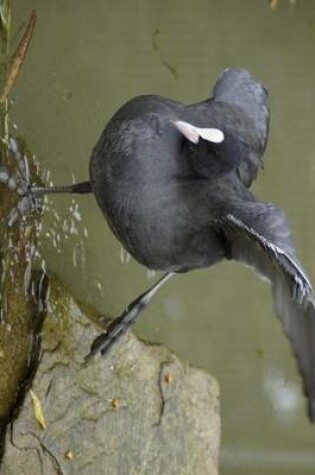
x: 18, y: 308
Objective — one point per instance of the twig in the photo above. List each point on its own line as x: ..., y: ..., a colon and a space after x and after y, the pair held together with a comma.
x: 18, y: 58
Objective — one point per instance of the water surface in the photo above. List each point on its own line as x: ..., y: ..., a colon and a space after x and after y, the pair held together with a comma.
x: 86, y: 59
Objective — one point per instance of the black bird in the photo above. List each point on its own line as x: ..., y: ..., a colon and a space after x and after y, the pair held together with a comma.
x: 173, y: 184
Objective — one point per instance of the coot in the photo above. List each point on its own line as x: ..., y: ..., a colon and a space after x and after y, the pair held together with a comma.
x: 173, y: 184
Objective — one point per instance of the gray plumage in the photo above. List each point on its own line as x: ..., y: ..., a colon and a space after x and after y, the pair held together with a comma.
x: 177, y: 205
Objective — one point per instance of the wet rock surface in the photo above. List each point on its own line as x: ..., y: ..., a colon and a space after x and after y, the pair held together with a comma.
x: 138, y: 411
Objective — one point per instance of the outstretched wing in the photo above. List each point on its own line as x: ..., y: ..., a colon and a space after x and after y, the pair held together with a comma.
x: 291, y: 289
x: 249, y: 98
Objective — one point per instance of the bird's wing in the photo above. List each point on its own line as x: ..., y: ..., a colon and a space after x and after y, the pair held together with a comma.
x: 248, y: 99
x: 292, y: 293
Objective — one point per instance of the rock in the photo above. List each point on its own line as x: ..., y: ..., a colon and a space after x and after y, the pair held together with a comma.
x: 140, y: 410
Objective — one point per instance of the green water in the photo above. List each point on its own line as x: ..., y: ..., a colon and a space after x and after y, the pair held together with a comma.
x: 85, y: 60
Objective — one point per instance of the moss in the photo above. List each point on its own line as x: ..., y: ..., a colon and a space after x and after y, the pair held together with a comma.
x: 18, y: 309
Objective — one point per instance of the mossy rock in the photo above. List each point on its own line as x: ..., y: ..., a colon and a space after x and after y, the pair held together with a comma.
x: 140, y: 410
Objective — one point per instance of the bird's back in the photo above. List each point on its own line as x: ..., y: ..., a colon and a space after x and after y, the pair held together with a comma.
x: 144, y: 185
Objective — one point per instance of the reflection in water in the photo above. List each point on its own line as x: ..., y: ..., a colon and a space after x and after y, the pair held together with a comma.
x: 284, y: 395
x: 263, y: 462
x: 174, y: 308
x: 151, y: 274
x: 219, y: 319
x: 124, y: 256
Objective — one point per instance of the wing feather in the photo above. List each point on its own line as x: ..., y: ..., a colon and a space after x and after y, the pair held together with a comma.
x: 292, y: 293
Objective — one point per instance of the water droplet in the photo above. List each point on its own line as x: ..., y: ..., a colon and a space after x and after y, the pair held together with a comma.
x: 74, y: 257
x: 150, y: 274
x: 124, y: 256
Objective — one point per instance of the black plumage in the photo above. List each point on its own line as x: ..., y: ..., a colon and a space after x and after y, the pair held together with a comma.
x: 173, y: 183
x: 177, y: 205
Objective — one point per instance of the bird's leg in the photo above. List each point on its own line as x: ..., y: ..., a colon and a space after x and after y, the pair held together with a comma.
x: 121, y: 324
x: 29, y: 193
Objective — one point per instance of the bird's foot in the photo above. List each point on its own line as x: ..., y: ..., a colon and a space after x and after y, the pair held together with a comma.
x: 118, y: 327
x: 19, y: 183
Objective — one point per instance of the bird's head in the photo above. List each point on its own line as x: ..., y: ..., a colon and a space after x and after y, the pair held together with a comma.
x: 211, y: 152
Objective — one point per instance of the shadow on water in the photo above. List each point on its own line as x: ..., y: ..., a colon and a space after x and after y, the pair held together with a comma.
x: 84, y: 63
